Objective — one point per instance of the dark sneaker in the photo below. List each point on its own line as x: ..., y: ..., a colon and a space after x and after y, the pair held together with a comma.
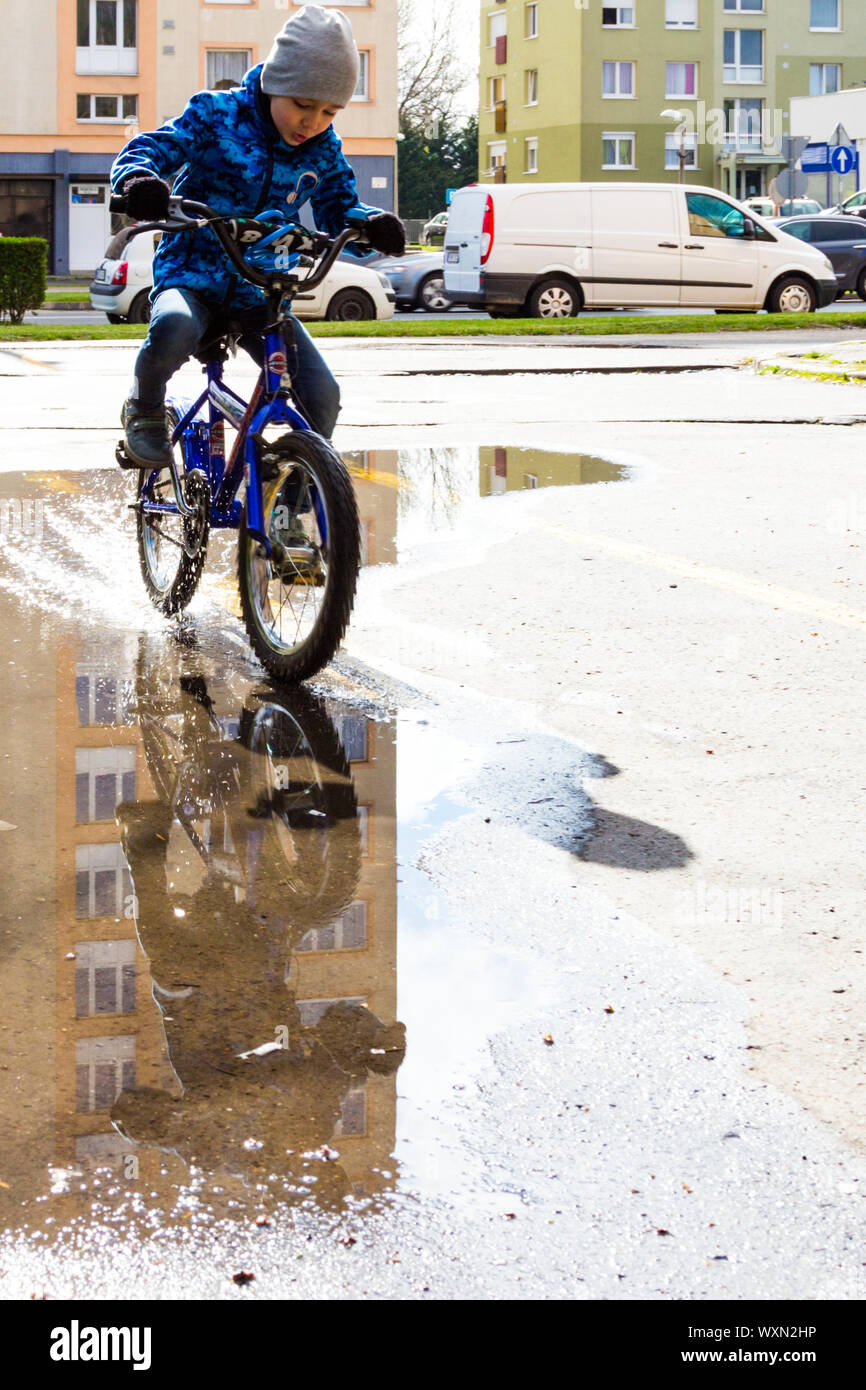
x: 146, y: 436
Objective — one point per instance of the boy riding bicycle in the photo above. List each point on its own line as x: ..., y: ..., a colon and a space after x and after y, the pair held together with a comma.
x: 263, y: 145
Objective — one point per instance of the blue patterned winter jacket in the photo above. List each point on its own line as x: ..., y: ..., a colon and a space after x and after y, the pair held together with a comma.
x: 226, y: 151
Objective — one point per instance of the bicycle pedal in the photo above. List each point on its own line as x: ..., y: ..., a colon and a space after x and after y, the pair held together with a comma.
x: 122, y: 457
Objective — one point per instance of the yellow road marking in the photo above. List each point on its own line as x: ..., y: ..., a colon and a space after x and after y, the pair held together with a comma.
x: 385, y: 479
x: 774, y: 595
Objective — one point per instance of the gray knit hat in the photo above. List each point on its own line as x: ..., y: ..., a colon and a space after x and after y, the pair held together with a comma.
x: 314, y: 57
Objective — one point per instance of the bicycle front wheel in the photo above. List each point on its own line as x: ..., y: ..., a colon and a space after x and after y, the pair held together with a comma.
x: 297, y: 601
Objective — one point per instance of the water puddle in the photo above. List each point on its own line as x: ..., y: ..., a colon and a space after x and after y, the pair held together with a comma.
x: 229, y: 987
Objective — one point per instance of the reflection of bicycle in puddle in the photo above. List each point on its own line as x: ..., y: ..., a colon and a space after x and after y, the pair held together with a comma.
x: 253, y: 843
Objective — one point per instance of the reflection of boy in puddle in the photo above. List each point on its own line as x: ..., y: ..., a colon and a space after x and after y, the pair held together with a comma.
x: 219, y: 973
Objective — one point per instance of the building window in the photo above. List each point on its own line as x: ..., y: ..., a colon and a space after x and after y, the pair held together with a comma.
x: 824, y: 77
x: 745, y: 6
x: 672, y: 150
x: 617, y: 150
x: 103, y: 778
x: 532, y: 21
x: 102, y: 108
x: 744, y: 55
x: 497, y: 28
x: 744, y: 123
x: 353, y: 1114
x: 531, y: 165
x: 311, y: 1010
x: 618, y: 79
x: 617, y: 16
x: 496, y: 86
x: 362, y: 89
x: 532, y: 87
x: 681, y: 79
x: 104, y: 978
x: 352, y: 730
x: 225, y: 67
x: 106, y: 36
x: 347, y: 933
x: 103, y: 1068
x: 681, y: 14
x: 496, y: 156
x: 825, y: 14
x: 103, y: 886
x: 102, y: 698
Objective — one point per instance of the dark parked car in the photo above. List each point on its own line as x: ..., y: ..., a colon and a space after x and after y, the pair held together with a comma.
x: 843, y: 239
x: 417, y: 279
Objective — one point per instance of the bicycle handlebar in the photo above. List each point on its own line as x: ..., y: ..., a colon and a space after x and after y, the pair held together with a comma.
x: 190, y: 216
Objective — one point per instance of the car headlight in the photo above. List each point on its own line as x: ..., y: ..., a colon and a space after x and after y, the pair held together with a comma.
x: 828, y: 264
x: 384, y: 279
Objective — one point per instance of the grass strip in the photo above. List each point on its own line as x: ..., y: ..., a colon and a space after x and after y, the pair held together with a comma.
x: 618, y: 325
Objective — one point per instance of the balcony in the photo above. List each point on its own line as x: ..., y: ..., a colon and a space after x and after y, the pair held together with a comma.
x: 500, y: 125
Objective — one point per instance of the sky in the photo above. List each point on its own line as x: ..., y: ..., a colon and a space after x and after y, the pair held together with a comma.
x: 469, y: 12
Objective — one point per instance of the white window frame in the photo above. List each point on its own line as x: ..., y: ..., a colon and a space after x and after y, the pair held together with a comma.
x: 496, y: 21
x: 530, y: 164
x: 683, y: 23
x: 116, y: 956
x: 495, y: 148
x: 107, y: 59
x: 218, y: 51
x: 531, y: 25
x: 620, y: 23
x: 738, y: 67
x: 356, y: 915
x: 116, y: 1050
x: 95, y: 858
x: 740, y: 8
x: 618, y: 66
x: 616, y: 136
x: 671, y: 92
x: 736, y: 137
x: 497, y: 80
x: 118, y: 119
x: 531, y: 87
x: 827, y: 28
x: 823, y: 69
x: 362, y: 88
x: 672, y: 145
x: 107, y: 761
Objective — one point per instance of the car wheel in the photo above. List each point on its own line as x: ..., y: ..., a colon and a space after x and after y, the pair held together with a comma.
x: 509, y: 311
x: 432, y: 296
x: 554, y: 299
x: 139, y: 309
x: 115, y: 318
x: 350, y: 306
x: 792, y: 296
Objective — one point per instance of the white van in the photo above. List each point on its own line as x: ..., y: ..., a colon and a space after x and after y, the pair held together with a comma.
x: 548, y: 250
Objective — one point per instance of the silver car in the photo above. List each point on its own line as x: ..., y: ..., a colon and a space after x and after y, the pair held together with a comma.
x: 417, y: 279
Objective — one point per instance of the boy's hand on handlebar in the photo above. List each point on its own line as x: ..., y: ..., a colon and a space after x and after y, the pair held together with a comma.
x: 384, y: 232
x: 146, y: 197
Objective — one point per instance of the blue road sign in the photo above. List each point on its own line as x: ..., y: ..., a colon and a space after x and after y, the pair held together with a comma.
x: 449, y: 194
x: 843, y: 159
x: 815, y: 159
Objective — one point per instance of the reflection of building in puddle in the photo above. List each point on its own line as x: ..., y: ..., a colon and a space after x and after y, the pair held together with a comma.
x: 405, y: 495
x: 110, y: 1036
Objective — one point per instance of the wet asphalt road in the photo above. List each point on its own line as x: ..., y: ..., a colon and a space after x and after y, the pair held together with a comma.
x: 558, y: 1011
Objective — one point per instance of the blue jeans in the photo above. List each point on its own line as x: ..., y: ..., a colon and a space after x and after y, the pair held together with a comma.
x: 179, y: 322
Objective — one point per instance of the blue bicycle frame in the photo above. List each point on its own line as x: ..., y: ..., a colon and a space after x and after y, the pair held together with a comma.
x: 202, y: 437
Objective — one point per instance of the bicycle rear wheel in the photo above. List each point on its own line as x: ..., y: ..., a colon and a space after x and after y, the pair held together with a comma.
x: 296, y: 603
x: 172, y: 548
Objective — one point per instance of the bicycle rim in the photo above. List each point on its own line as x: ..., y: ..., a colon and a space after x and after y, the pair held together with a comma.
x: 289, y: 591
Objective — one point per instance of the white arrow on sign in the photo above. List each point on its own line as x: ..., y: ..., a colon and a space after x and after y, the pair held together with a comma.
x: 842, y: 159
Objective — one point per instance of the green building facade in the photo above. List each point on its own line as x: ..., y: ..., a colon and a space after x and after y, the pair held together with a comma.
x: 574, y: 90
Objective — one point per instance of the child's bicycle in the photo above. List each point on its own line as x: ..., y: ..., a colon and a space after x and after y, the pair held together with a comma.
x: 299, y: 544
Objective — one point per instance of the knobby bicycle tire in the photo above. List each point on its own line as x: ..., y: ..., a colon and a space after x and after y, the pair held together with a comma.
x: 175, y: 596
x: 331, y: 477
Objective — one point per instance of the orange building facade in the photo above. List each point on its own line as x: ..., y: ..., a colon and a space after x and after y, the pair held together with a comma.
x: 89, y: 74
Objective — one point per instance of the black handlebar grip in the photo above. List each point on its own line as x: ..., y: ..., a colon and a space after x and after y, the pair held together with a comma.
x: 117, y: 202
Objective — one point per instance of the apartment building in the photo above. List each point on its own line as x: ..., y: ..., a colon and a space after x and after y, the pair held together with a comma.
x: 89, y: 74
x: 575, y: 89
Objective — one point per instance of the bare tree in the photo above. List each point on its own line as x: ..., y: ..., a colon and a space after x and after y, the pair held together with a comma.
x: 431, y: 70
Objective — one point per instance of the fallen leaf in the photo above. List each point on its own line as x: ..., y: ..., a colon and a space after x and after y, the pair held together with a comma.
x: 262, y: 1221
x: 609, y: 1009
x: 548, y: 1039
x: 243, y: 1276
x: 662, y: 1232
x: 348, y: 1241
